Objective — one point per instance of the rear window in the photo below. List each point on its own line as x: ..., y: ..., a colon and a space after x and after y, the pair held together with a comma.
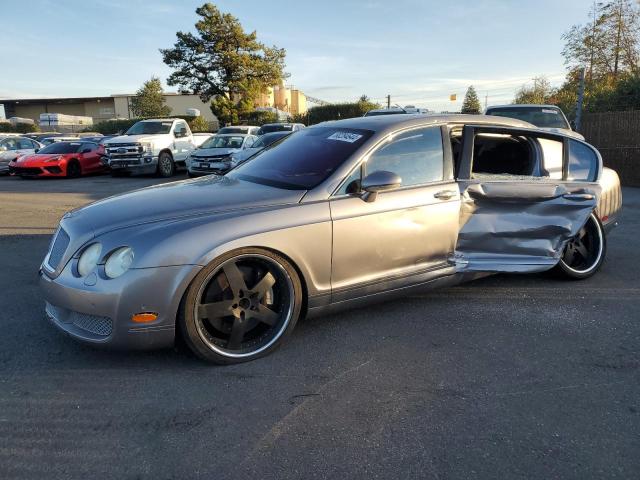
x: 233, y: 130
x: 304, y: 160
x: 274, y: 128
x: 268, y: 139
x: 542, y: 117
x: 61, y: 148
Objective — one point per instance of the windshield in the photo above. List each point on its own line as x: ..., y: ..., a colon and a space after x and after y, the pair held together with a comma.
x: 223, y: 142
x: 61, y: 148
x: 304, y: 160
x: 150, y: 128
x: 542, y: 117
x: 268, y: 138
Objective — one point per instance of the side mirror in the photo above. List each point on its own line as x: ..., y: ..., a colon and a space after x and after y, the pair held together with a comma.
x: 36, y: 150
x: 379, y: 181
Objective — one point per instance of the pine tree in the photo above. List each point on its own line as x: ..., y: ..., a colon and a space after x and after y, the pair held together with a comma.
x: 223, y: 63
x: 471, y: 102
x: 149, y: 100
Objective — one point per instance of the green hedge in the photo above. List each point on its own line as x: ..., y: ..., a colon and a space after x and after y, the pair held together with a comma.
x: 335, y: 111
x: 260, y: 117
x: 18, y: 128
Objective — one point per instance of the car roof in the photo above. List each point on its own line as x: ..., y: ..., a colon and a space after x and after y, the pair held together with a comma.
x: 234, y: 135
x: 383, y: 123
x: 392, y: 109
x: 528, y: 105
x: 160, y: 119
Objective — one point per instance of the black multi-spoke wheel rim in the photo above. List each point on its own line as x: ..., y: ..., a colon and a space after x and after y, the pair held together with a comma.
x: 166, y: 168
x: 244, y: 306
x: 583, y: 251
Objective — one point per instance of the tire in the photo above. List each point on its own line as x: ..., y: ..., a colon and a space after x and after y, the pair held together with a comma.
x: 584, y: 254
x: 223, y: 321
x: 73, y: 169
x: 166, y: 165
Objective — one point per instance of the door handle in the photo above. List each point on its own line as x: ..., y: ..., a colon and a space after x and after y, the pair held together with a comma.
x: 578, y: 196
x: 445, y: 194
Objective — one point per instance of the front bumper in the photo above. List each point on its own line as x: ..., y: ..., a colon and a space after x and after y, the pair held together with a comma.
x: 140, y: 164
x: 50, y: 170
x: 100, y: 314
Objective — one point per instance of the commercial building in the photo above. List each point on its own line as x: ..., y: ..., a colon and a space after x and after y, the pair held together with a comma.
x: 284, y: 99
x: 99, y: 108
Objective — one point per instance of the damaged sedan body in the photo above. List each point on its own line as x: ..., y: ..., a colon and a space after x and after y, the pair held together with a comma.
x: 342, y: 213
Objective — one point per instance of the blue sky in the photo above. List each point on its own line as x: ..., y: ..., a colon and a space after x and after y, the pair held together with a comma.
x: 419, y: 51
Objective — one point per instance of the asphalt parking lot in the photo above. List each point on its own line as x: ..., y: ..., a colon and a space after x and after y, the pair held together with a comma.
x: 507, y: 377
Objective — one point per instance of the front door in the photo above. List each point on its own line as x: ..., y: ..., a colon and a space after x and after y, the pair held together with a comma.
x: 524, y: 194
x: 405, y: 236
x: 183, y: 142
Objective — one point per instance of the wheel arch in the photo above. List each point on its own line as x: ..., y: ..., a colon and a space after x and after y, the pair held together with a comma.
x: 186, y: 282
x: 166, y: 150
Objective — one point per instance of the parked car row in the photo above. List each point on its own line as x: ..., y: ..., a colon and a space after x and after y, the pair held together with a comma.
x: 154, y: 146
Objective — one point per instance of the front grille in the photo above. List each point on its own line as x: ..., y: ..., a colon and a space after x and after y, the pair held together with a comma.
x: 25, y: 171
x: 213, y: 158
x: 124, y: 151
x: 120, y: 161
x: 58, y: 247
x: 101, y: 326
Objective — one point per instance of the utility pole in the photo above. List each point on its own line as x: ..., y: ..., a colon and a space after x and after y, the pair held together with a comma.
x: 580, y: 100
x: 388, y: 102
x: 486, y: 100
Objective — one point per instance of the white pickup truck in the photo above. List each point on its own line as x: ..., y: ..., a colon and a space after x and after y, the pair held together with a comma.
x: 151, y: 146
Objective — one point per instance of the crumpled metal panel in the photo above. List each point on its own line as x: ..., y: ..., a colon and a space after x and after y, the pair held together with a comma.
x: 518, y: 226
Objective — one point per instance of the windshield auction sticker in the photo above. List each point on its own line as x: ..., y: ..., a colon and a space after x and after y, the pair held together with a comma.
x: 345, y: 137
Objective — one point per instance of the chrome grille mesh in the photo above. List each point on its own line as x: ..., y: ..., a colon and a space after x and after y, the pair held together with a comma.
x: 58, y: 247
x: 91, y: 323
x: 101, y: 326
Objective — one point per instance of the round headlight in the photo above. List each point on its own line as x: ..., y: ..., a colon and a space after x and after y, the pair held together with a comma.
x: 89, y: 259
x: 118, y: 262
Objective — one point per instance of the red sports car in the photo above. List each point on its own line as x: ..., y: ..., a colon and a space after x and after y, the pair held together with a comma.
x: 61, y: 159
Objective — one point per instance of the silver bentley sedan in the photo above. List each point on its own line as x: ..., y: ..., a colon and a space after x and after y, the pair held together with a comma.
x: 339, y: 214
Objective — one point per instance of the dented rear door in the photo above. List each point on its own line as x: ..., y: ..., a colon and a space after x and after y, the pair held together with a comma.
x: 514, y: 223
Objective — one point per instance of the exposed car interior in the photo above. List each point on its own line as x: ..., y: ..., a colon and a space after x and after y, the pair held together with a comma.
x: 501, y: 156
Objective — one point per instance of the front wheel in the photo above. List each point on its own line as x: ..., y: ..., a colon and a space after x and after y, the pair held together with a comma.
x: 73, y: 169
x: 166, y: 166
x: 583, y: 255
x: 241, y: 307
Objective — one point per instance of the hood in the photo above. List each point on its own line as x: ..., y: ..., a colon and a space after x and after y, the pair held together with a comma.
x: 132, y: 139
x: 172, y: 201
x: 214, y: 152
x: 38, y: 158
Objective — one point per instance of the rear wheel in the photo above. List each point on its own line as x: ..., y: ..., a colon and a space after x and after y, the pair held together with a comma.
x: 73, y: 169
x: 241, y: 307
x: 166, y: 166
x: 584, y: 254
